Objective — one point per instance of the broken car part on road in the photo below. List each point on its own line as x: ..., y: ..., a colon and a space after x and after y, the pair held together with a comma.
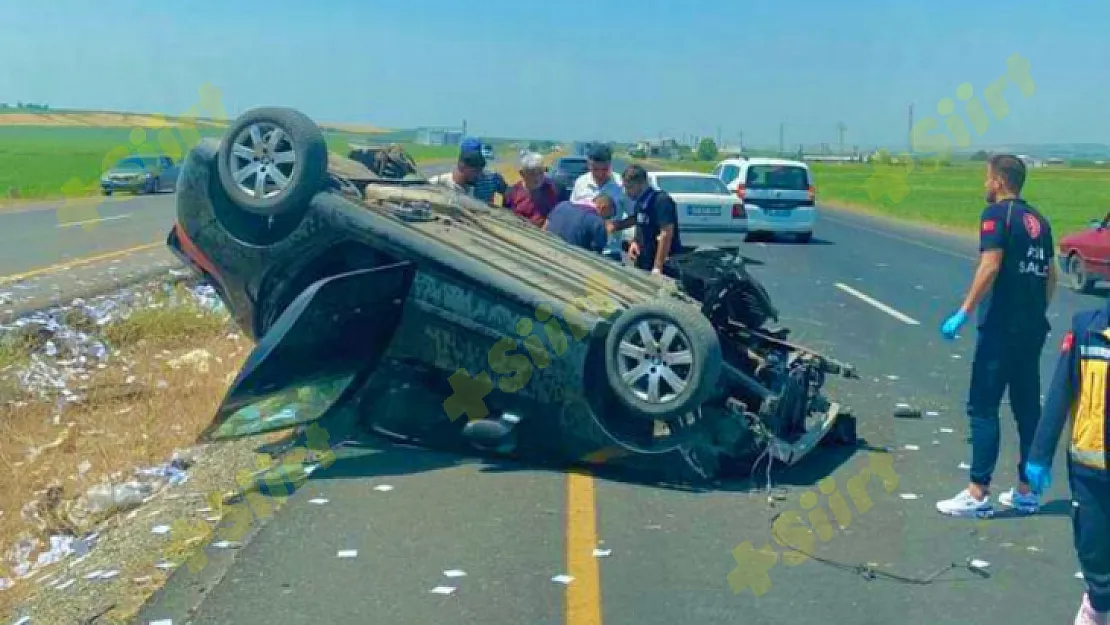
x: 387, y: 302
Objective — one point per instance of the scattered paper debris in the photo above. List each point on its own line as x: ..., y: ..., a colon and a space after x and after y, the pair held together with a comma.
x: 164, y: 621
x: 65, y: 584
x: 948, y: 430
x: 454, y: 573
x: 602, y: 553
x: 1033, y: 548
x: 347, y: 553
x: 978, y: 564
x: 443, y: 590
x: 956, y: 356
x: 385, y: 488
x: 965, y: 466
x: 911, y: 447
x: 1079, y: 575
x: 161, y: 530
x: 908, y: 496
x: 932, y: 413
x: 562, y: 579
x: 227, y: 544
x: 892, y: 377
x: 26, y: 620
x: 166, y: 566
x: 319, y: 501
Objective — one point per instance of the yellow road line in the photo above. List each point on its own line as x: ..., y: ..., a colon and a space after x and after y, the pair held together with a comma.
x: 583, y: 599
x: 16, y: 277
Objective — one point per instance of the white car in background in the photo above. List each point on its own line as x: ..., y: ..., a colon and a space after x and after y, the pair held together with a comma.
x: 704, y: 204
x: 778, y: 195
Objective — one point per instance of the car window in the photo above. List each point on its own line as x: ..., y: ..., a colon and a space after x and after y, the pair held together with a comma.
x: 729, y: 173
x: 573, y: 166
x: 167, y: 161
x: 135, y: 162
x: 788, y: 177
x: 691, y: 184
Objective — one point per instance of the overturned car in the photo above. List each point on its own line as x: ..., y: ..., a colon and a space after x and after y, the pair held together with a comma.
x: 412, y: 311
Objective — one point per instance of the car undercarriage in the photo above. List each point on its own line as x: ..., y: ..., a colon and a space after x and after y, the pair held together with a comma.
x: 575, y: 357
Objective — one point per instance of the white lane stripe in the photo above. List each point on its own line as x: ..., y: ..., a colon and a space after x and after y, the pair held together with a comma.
x: 70, y: 224
x: 877, y: 304
x: 898, y: 237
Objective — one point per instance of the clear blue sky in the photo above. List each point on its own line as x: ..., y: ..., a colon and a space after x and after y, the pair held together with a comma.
x: 572, y: 68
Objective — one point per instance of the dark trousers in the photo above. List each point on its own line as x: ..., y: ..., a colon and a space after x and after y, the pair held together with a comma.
x: 1090, y: 508
x: 1003, y: 361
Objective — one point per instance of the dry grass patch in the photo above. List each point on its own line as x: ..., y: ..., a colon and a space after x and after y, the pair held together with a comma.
x: 170, y: 369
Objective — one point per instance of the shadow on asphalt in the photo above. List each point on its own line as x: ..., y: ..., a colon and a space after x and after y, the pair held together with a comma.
x: 370, y: 456
x: 778, y: 240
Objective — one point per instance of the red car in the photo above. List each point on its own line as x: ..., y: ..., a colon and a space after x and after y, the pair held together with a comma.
x: 1085, y: 256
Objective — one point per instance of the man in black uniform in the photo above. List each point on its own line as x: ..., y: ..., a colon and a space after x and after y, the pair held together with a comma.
x: 1014, y: 282
x: 656, y: 218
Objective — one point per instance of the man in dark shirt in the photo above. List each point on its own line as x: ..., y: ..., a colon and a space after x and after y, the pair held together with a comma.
x: 1012, y: 289
x: 581, y: 224
x: 656, y: 218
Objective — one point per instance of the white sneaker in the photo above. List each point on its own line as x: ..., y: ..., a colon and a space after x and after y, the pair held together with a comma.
x: 1028, y: 503
x: 964, y: 505
x: 1088, y: 616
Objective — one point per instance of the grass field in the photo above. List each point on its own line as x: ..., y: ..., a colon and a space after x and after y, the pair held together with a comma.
x: 37, y: 162
x: 952, y: 197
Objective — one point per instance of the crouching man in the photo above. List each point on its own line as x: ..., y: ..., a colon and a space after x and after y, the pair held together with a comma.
x: 582, y: 224
x: 1079, y: 390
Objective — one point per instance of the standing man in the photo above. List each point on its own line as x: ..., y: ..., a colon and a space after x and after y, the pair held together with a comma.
x: 1078, y: 390
x: 535, y: 195
x: 656, y: 219
x: 488, y: 184
x: 465, y: 174
x: 600, y: 179
x: 1015, y: 281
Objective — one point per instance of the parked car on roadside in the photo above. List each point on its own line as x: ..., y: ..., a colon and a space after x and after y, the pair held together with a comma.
x: 1084, y: 256
x: 778, y: 195
x: 565, y: 170
x: 141, y: 174
x: 704, y: 203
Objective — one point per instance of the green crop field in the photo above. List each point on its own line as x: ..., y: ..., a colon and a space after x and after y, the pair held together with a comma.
x: 952, y: 196
x: 39, y: 161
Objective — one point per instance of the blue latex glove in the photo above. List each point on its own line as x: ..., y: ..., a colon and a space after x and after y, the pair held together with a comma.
x: 953, y: 324
x: 1039, y: 476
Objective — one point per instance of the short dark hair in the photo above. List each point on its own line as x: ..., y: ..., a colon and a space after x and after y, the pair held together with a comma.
x: 599, y: 153
x: 473, y: 159
x: 1008, y: 168
x: 634, y: 173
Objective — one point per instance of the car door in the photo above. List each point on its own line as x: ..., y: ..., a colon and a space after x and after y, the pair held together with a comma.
x: 169, y: 173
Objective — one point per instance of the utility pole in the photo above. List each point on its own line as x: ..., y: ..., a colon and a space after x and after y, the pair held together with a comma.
x: 741, y: 140
x: 719, y: 136
x: 909, y: 130
x: 782, y: 135
x: 840, y: 127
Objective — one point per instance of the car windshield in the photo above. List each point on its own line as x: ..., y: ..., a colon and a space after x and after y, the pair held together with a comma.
x: 572, y: 165
x: 691, y: 184
x: 787, y: 177
x: 135, y: 163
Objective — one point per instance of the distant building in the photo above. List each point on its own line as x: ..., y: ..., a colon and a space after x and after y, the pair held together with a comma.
x: 1054, y: 162
x: 1031, y: 161
x: 439, y: 136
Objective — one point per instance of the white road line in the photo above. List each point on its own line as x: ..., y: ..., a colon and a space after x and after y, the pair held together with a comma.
x: 70, y: 224
x: 898, y: 237
x: 877, y: 304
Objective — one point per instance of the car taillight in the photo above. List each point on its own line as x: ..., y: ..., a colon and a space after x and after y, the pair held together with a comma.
x: 811, y: 194
x: 741, y: 191
x: 738, y: 211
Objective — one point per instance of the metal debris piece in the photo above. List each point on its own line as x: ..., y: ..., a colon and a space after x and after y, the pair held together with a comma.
x: 978, y: 564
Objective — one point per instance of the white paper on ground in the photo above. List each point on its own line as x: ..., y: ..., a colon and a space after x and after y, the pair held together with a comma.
x: 443, y: 590
x: 908, y: 496
x: 347, y: 553
x: 385, y: 488
x: 454, y: 573
x: 602, y: 553
x: 562, y: 579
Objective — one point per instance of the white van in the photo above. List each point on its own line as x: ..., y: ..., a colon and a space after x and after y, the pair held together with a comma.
x: 778, y: 194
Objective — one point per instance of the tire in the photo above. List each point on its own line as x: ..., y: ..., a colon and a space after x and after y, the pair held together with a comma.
x: 804, y: 237
x: 1081, y: 281
x: 700, y: 375
x: 301, y: 141
x: 155, y: 186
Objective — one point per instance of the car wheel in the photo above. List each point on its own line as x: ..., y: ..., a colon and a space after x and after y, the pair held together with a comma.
x: 1081, y: 281
x: 272, y: 161
x: 804, y: 237
x: 155, y: 186
x: 662, y: 359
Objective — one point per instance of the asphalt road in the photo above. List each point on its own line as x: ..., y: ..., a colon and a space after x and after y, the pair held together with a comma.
x: 865, y: 291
